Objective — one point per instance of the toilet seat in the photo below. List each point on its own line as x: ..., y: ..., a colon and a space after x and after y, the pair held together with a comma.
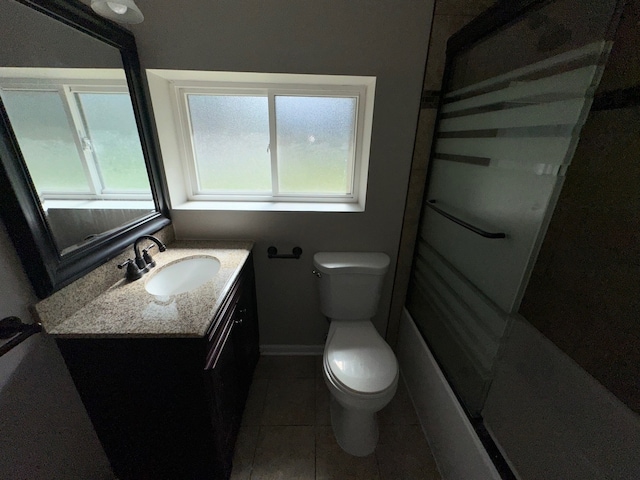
x: 358, y: 359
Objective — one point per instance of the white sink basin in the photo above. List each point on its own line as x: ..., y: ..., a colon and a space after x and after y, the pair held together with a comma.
x: 182, y: 276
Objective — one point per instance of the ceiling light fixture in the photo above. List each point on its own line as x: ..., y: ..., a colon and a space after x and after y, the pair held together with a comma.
x: 121, y: 11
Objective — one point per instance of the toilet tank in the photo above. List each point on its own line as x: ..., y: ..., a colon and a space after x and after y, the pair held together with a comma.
x: 350, y: 283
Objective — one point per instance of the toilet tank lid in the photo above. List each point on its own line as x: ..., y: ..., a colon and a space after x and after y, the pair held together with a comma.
x: 372, y: 263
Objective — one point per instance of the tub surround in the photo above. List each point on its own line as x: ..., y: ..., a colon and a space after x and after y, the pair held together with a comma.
x: 126, y: 309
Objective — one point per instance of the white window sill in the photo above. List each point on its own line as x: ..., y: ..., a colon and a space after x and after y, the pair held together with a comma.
x: 270, y: 206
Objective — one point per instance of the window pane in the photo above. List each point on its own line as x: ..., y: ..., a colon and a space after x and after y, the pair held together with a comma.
x: 315, y: 144
x: 230, y: 142
x: 111, y: 126
x: 41, y: 126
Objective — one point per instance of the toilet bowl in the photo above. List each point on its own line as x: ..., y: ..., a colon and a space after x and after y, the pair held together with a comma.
x: 359, y: 367
x: 361, y: 372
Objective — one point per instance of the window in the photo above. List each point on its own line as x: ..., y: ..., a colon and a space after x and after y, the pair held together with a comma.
x: 79, y: 139
x: 265, y: 138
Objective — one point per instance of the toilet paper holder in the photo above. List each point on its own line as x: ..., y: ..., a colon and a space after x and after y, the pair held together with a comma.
x: 272, y: 252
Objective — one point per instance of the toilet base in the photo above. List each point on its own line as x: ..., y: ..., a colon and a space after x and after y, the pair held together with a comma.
x: 356, y: 431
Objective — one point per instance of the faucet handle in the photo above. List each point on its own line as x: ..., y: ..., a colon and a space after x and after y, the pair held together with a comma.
x: 124, y: 264
x: 133, y: 272
x: 148, y: 259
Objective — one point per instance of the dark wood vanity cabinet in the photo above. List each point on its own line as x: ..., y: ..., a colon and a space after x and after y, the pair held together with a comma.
x: 232, y: 356
x: 170, y: 408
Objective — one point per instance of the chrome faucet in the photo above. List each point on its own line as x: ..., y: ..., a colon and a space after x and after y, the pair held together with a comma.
x: 143, y: 260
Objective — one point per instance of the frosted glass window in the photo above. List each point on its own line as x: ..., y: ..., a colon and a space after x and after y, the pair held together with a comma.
x: 45, y: 137
x: 113, y: 134
x: 267, y: 138
x: 315, y: 144
x: 230, y: 138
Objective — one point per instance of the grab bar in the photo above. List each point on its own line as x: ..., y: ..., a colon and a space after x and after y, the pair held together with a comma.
x: 462, y: 223
x: 18, y: 332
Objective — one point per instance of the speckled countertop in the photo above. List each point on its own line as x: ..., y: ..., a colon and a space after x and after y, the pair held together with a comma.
x: 127, y: 309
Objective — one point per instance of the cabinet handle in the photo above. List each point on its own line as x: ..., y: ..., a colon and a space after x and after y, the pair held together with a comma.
x: 241, y: 312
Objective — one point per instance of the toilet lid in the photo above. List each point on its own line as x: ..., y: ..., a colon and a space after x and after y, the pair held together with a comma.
x: 360, y: 359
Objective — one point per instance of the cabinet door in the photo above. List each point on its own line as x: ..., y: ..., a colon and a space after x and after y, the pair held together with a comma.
x: 226, y: 398
x: 148, y: 405
x: 246, y: 332
x: 232, y: 354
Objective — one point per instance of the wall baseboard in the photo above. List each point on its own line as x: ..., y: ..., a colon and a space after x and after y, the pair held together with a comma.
x: 456, y: 447
x: 291, y: 349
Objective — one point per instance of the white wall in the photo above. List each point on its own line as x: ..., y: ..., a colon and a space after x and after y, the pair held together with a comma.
x: 387, y: 39
x: 44, y: 430
x: 31, y: 39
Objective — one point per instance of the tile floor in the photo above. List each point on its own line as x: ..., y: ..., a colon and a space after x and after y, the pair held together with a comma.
x: 286, y: 431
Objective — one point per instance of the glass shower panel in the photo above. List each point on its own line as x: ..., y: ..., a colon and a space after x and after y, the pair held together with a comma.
x: 558, y: 27
x: 512, y: 112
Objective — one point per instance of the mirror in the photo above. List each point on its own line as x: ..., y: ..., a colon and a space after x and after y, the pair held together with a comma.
x: 80, y: 175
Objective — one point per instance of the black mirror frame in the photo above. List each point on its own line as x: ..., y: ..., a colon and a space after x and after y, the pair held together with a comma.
x: 20, y: 206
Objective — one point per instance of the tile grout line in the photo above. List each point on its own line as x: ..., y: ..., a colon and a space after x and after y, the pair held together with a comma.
x: 255, y: 447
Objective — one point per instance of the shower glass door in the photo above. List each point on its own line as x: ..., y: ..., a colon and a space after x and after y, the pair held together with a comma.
x: 514, y: 102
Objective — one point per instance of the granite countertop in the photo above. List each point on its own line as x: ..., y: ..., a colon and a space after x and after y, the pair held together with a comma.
x: 127, y: 309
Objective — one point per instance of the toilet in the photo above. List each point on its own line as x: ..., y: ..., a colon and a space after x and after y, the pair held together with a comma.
x: 359, y: 367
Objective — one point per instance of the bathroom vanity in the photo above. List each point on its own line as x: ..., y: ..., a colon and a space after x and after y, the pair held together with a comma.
x: 165, y: 379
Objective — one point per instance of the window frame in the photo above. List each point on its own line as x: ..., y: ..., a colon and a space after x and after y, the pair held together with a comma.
x: 169, y: 90
x: 67, y: 90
